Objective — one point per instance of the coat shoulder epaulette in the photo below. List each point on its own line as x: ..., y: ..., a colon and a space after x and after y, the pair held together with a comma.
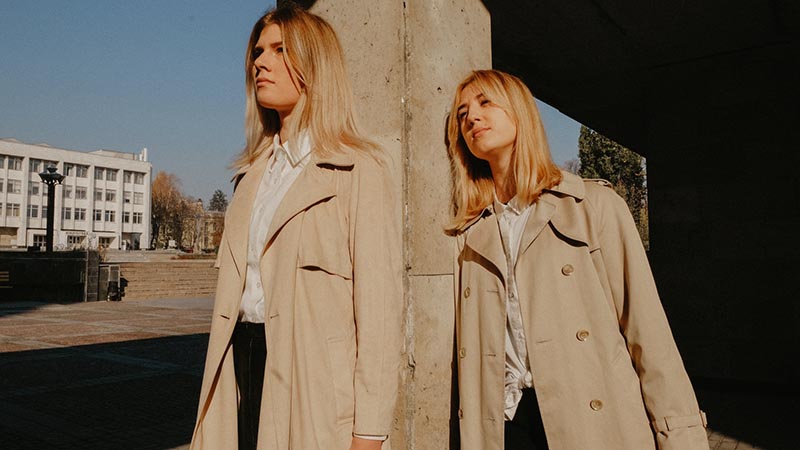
x: 599, y: 181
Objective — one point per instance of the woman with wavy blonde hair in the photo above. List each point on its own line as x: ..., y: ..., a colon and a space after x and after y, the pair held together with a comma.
x: 562, y: 340
x: 305, y: 344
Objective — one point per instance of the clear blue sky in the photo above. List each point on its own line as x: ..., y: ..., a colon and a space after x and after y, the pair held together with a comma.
x: 123, y: 75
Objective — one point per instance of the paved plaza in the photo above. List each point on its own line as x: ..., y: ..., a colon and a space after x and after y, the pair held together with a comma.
x: 126, y: 375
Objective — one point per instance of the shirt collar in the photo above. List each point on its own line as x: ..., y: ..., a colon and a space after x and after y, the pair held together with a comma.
x: 514, y: 206
x: 294, y: 153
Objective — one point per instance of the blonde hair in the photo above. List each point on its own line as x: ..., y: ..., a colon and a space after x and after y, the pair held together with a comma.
x: 532, y: 168
x: 325, y: 108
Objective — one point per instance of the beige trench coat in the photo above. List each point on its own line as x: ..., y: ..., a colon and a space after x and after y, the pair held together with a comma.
x: 606, y: 370
x: 331, y: 272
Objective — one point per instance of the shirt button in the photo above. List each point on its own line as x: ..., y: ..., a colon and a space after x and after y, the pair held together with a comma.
x: 463, y: 352
x: 596, y: 405
x: 258, y: 285
x: 582, y: 335
x: 466, y: 292
x: 567, y: 269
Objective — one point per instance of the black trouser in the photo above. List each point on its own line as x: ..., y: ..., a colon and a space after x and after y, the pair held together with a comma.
x: 249, y: 357
x: 526, y: 431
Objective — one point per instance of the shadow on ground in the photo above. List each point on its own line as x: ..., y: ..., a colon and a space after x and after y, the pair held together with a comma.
x: 751, y: 413
x: 128, y: 395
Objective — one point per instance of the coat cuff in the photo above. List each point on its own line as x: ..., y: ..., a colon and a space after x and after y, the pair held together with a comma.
x: 665, y: 424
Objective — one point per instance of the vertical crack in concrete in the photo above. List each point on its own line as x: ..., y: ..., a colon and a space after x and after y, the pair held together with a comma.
x: 409, y: 317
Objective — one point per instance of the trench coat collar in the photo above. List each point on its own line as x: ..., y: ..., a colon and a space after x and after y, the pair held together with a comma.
x: 315, y: 183
x: 559, y: 206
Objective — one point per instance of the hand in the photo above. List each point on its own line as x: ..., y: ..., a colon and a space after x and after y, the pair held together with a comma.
x: 365, y: 444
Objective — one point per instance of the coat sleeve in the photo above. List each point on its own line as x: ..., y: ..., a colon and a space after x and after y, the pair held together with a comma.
x: 668, y: 396
x: 377, y: 296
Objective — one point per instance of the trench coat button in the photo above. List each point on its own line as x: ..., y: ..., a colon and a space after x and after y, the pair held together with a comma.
x: 596, y: 405
x: 463, y: 352
x: 582, y: 335
x: 466, y: 292
x: 567, y: 269
x: 460, y: 413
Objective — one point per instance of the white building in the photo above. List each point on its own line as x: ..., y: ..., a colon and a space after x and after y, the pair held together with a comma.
x: 104, y: 199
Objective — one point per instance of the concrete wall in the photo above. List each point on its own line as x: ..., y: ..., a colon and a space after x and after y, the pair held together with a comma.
x: 405, y: 59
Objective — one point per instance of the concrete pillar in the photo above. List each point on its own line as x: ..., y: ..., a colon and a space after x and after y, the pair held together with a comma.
x: 405, y: 59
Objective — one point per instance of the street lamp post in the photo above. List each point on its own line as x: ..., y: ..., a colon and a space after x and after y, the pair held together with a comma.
x: 50, y: 177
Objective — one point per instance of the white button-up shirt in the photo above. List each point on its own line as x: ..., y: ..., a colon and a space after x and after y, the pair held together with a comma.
x: 283, y: 167
x: 512, y: 218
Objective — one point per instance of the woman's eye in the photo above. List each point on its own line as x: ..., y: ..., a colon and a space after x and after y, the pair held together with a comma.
x: 278, y: 49
x: 257, y: 52
x: 485, y: 102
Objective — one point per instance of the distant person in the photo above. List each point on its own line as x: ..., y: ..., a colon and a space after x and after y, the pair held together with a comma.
x: 562, y: 339
x: 306, y: 341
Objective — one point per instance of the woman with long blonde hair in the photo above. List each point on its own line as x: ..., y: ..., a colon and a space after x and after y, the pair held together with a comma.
x: 562, y: 340
x: 305, y: 344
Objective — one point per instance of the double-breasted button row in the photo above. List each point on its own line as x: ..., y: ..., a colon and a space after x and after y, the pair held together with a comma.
x: 463, y: 352
x: 466, y: 292
x: 596, y: 404
x: 567, y: 269
x: 582, y: 335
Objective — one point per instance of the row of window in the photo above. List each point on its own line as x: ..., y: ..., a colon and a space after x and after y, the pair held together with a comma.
x: 109, y: 195
x: 12, y: 210
x: 12, y: 162
x: 76, y: 170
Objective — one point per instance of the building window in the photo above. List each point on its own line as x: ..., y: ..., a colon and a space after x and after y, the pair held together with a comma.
x: 81, y: 171
x: 126, y: 196
x: 138, y: 198
x: 39, y: 240
x: 12, y: 210
x: 33, y: 187
x: 98, y: 215
x: 126, y: 217
x: 74, y: 240
x: 14, y: 163
x: 2, y: 185
x: 105, y: 242
x: 2, y: 161
x: 1, y: 209
x: 66, y: 213
x: 44, y: 211
x: 80, y: 192
x: 68, y: 169
x: 98, y: 173
x: 35, y: 165
x: 138, y: 178
x: 67, y: 191
x: 137, y: 217
x: 111, y: 216
x: 111, y: 175
x: 80, y: 214
x: 111, y: 195
x: 98, y: 195
x: 33, y: 211
x: 14, y: 186
x: 126, y: 176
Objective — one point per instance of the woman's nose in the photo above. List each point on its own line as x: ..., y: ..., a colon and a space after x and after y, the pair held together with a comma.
x: 261, y: 62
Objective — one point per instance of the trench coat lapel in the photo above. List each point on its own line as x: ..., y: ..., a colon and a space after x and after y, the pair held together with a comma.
x: 484, y: 239
x: 317, y: 182
x: 237, y: 219
x: 558, y: 206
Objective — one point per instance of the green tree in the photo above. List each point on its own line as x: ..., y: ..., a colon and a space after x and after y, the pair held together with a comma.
x: 600, y: 157
x: 218, y: 201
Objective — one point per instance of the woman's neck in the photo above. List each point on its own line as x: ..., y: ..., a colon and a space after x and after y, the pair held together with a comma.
x: 504, y: 188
